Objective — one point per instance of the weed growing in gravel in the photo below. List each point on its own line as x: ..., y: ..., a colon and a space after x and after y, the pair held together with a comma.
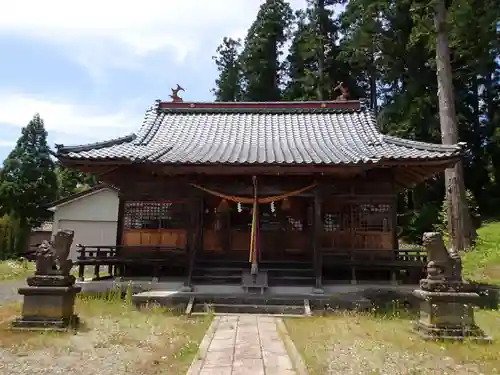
x: 150, y: 341
x: 382, y: 342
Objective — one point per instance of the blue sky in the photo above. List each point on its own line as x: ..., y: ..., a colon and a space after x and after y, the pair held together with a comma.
x: 92, y: 68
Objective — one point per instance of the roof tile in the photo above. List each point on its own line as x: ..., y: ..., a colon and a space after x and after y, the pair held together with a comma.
x: 264, y: 136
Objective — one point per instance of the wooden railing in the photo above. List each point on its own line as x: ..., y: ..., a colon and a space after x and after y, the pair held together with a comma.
x: 411, y: 261
x: 370, y: 256
x: 115, y: 257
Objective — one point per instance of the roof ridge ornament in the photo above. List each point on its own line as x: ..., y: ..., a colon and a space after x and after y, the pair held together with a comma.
x: 344, y: 91
x: 175, y: 94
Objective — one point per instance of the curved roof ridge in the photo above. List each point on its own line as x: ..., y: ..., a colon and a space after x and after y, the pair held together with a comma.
x: 96, y: 145
x: 147, y: 124
x: 421, y: 145
x: 260, y: 110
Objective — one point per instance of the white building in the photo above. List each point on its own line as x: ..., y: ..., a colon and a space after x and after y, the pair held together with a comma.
x: 91, y: 214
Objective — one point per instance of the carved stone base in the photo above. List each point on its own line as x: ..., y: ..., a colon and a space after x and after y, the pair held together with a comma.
x: 48, y: 307
x: 254, y: 282
x: 51, y: 280
x: 440, y: 285
x: 41, y: 324
x: 448, y: 315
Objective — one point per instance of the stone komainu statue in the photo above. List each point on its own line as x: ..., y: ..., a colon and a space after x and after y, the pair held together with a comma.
x: 52, y: 257
x: 444, y: 265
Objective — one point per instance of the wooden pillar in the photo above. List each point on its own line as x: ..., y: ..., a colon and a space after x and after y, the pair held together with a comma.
x: 394, y: 214
x: 317, y: 225
x: 193, y: 233
x: 394, y: 228
x: 119, y: 269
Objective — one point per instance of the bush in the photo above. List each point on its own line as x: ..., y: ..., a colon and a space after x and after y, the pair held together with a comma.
x: 12, y: 237
x: 416, y: 222
x: 442, y: 225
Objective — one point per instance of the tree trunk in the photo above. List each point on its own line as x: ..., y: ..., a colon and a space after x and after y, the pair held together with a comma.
x: 373, y: 78
x: 320, y: 9
x: 459, y: 227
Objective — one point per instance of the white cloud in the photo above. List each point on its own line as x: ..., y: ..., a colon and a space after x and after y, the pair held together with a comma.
x: 120, y: 32
x: 4, y: 143
x: 70, y: 122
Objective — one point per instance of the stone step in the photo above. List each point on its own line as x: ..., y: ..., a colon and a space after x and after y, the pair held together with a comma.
x: 217, y: 271
x: 291, y: 280
x: 221, y: 308
x: 243, y: 264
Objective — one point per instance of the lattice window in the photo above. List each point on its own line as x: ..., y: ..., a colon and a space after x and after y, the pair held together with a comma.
x: 337, y: 218
x: 372, y: 217
x: 154, y: 215
x: 295, y: 225
x: 330, y: 222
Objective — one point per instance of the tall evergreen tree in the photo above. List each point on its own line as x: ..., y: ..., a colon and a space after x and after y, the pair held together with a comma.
x: 71, y: 181
x: 301, y: 62
x: 228, y: 84
x: 29, y: 182
x: 260, y: 59
x: 313, y: 64
x: 458, y: 211
x: 385, y: 50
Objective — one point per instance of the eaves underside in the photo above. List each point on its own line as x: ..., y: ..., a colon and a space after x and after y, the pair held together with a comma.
x: 380, y: 162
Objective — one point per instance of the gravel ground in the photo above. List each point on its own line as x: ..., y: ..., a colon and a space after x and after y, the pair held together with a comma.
x: 8, y: 291
x: 115, y: 339
x: 367, y: 344
x: 81, y: 355
x: 360, y: 358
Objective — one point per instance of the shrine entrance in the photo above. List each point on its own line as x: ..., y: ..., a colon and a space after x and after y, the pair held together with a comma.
x: 285, y: 229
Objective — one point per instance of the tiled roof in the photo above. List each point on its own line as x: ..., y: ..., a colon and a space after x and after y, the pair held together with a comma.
x: 239, y: 134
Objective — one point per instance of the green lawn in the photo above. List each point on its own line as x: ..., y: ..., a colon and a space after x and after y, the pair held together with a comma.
x: 482, y: 264
x: 11, y: 270
x: 370, y: 344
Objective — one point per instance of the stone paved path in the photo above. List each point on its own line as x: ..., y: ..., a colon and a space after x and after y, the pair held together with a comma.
x: 241, y: 345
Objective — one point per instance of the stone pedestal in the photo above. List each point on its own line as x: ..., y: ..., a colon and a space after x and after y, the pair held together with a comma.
x: 448, y: 315
x: 252, y: 283
x: 48, y: 303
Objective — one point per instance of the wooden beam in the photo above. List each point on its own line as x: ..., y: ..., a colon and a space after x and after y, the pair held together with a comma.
x: 108, y: 171
x: 273, y: 169
x: 347, y: 171
x: 317, y: 223
x: 394, y: 215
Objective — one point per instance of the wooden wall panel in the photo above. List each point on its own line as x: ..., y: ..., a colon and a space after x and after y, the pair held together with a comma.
x: 211, y: 241
x: 175, y: 238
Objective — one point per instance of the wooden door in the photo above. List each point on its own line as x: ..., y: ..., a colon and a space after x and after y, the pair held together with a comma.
x: 286, y: 233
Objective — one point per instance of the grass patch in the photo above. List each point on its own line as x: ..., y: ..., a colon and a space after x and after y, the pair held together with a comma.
x: 14, y: 270
x: 482, y: 264
x: 372, y: 344
x: 11, y: 270
x: 114, y: 336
